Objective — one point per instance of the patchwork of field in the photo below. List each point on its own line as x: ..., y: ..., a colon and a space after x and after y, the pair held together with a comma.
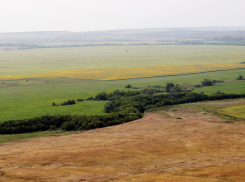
x: 131, y: 72
x: 31, y: 80
x: 158, y: 147
x: 26, y: 99
x: 40, y: 61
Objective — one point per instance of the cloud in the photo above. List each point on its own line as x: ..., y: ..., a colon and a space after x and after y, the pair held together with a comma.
x: 84, y: 15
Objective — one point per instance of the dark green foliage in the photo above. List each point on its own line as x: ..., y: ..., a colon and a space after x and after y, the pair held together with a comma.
x: 217, y: 81
x: 207, y: 82
x: 90, y: 98
x: 52, y: 127
x: 108, y: 107
x: 80, y: 100
x: 66, y: 122
x: 69, y: 102
x: 240, y: 77
x: 168, y: 87
x: 140, y: 103
x: 157, y: 86
x: 176, y: 89
x: 198, y: 85
x: 128, y: 86
x: 119, y: 94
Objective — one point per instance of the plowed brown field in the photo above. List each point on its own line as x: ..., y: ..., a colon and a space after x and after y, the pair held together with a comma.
x: 154, y: 148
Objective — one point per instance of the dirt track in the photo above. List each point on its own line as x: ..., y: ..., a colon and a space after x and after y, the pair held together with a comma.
x: 154, y: 148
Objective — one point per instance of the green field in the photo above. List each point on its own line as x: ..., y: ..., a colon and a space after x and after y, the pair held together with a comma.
x: 34, y: 61
x: 26, y: 99
x: 237, y: 87
x: 19, y: 102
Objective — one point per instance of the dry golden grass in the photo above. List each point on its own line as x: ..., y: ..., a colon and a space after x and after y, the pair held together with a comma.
x: 131, y: 72
x: 153, y: 149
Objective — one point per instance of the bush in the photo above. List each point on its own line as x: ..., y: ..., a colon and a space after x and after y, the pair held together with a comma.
x: 169, y: 86
x: 52, y: 127
x: 198, y: 85
x: 90, y: 98
x: 69, y: 102
x: 176, y: 89
x: 128, y: 86
x: 240, y: 77
x: 207, y: 82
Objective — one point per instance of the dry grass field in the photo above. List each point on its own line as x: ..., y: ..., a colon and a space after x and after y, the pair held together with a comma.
x: 158, y: 147
x: 130, y: 72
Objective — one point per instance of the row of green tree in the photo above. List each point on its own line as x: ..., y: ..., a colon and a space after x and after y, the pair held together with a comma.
x: 66, y: 122
x: 140, y: 103
x: 123, y: 109
x: 117, y: 94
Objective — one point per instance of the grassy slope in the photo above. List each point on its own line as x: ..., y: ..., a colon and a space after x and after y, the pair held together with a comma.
x: 35, y: 61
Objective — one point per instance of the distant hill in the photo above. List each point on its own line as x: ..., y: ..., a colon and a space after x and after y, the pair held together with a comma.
x: 125, y: 35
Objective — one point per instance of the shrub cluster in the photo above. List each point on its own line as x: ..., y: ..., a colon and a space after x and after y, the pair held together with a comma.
x: 69, y: 102
x: 240, y: 77
x: 208, y: 82
x: 119, y: 94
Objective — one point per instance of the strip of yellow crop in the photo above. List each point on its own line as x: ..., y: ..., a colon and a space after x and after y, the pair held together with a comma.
x: 131, y: 72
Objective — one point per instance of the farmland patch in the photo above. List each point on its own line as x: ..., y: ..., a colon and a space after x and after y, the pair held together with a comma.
x: 131, y: 72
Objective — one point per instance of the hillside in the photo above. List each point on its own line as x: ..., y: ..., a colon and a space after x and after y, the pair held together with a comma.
x: 158, y: 147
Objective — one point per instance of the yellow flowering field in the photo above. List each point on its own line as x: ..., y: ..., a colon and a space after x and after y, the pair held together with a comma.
x: 131, y: 72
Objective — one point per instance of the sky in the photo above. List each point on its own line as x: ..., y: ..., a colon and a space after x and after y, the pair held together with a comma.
x: 94, y: 15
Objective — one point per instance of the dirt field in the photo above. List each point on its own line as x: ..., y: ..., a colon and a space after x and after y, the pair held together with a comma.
x: 199, y: 147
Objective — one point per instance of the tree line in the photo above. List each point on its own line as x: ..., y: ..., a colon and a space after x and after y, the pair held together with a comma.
x: 122, y: 109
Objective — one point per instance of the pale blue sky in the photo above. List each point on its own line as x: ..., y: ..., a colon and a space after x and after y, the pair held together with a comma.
x: 91, y: 15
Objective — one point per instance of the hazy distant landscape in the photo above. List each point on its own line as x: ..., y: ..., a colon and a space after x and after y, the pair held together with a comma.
x: 205, y: 35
